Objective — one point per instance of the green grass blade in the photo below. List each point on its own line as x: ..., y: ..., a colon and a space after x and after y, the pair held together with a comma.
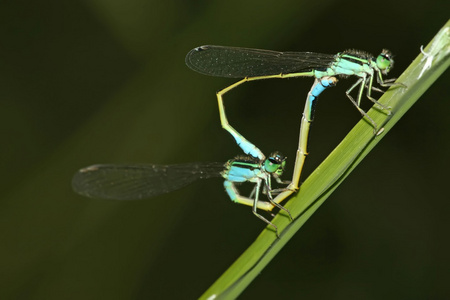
x: 419, y: 76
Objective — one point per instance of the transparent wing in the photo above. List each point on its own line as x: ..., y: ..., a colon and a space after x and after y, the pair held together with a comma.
x: 132, y: 182
x: 236, y: 62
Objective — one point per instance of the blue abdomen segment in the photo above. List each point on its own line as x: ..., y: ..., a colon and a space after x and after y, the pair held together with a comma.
x: 247, y: 147
x: 325, y: 82
x: 231, y: 191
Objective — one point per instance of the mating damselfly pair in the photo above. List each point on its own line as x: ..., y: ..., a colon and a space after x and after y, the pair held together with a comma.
x: 127, y: 182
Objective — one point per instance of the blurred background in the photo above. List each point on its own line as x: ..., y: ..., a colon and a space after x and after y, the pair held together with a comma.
x: 84, y: 82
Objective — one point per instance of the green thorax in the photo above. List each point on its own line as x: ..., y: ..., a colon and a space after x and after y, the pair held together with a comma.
x: 358, y: 63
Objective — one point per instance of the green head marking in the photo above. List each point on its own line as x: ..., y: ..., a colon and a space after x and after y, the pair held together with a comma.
x: 275, y: 164
x: 385, y: 61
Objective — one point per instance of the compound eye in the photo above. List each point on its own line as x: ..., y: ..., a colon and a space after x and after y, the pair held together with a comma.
x: 275, y: 164
x: 271, y: 165
x: 385, y: 61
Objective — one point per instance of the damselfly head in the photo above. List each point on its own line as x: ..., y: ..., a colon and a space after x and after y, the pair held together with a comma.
x: 385, y: 61
x: 275, y: 163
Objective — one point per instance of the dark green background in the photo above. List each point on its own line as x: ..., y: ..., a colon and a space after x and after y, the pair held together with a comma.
x: 84, y: 82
